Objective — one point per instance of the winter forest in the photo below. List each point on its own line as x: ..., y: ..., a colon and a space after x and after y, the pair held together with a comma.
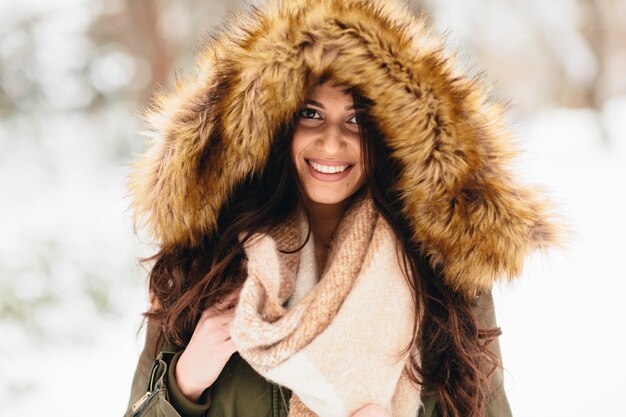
x: 74, y: 78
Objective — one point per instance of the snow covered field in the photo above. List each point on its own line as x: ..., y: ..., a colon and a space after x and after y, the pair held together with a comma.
x: 564, y: 320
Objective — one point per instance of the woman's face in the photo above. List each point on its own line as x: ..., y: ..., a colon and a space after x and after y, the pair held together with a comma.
x: 326, y: 147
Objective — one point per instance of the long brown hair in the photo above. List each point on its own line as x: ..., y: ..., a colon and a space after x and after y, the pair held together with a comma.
x: 453, y: 351
x: 452, y: 359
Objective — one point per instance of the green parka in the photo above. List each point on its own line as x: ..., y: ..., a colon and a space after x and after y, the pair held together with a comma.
x: 471, y: 219
x: 240, y: 391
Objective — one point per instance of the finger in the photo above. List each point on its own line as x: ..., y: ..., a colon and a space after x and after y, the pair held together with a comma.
x: 232, y: 295
x: 221, y: 319
x: 230, y: 298
x: 224, y: 322
x: 207, y: 312
x: 219, y: 337
x: 224, y: 337
x: 226, y: 307
x: 229, y: 312
x: 211, y: 312
x: 220, y: 307
x: 228, y: 346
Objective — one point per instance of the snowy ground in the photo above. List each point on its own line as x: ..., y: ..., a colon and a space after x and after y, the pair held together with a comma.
x: 71, y: 290
x: 564, y: 321
x: 64, y: 209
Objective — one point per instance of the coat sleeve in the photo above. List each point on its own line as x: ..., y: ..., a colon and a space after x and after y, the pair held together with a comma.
x: 154, y: 391
x: 497, y: 402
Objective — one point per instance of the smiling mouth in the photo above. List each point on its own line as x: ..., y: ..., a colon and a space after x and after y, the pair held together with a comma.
x: 328, y: 169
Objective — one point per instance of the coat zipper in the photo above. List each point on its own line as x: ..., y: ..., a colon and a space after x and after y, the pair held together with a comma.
x: 283, y: 397
x: 138, y: 405
x: 140, y: 401
x: 276, y: 388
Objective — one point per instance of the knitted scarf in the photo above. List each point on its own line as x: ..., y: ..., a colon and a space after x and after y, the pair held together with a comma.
x: 335, y: 342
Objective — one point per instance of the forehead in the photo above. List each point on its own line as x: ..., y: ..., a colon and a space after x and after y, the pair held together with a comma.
x: 329, y: 92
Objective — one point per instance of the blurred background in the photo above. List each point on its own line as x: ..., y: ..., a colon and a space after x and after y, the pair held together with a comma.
x: 74, y: 77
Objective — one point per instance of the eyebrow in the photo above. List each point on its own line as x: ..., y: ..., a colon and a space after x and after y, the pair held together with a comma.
x: 318, y: 104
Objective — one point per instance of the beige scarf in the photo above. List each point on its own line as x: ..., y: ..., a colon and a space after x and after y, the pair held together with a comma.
x: 335, y: 343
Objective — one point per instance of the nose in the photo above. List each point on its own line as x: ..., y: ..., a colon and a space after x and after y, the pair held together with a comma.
x: 332, y: 140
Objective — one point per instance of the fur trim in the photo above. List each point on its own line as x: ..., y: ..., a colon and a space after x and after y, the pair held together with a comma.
x: 475, y: 223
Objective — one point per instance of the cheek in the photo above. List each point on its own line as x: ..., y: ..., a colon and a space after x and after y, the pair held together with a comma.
x: 296, y: 146
x: 361, y: 179
x: 359, y: 153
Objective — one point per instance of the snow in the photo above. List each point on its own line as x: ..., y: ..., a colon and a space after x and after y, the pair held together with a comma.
x: 71, y: 286
x: 564, y: 319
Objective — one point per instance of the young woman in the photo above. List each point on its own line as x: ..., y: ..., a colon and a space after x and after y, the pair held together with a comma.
x: 333, y: 206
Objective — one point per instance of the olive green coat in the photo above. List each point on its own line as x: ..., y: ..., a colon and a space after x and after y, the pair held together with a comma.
x: 240, y: 391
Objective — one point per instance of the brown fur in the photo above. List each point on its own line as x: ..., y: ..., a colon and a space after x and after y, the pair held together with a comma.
x: 471, y: 218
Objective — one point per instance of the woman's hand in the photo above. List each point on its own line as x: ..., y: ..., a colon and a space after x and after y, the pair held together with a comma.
x: 371, y: 410
x: 208, y: 350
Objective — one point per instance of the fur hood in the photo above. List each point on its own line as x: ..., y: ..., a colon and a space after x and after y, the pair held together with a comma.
x: 475, y: 223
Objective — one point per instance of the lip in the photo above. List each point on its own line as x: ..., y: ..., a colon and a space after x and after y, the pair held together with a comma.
x: 326, y: 177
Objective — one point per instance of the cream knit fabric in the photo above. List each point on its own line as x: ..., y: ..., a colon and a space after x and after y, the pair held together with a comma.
x: 335, y: 343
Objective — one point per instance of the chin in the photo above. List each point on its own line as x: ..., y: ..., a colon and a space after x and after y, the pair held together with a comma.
x: 325, y: 196
x: 327, y: 200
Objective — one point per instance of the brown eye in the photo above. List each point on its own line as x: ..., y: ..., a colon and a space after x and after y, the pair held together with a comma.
x: 356, y: 120
x: 308, y: 113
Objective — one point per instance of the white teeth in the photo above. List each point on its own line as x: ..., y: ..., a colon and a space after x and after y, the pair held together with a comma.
x: 328, y: 169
